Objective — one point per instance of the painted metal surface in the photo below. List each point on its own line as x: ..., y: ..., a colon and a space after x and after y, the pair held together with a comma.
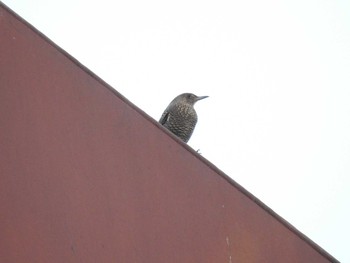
x: 85, y: 176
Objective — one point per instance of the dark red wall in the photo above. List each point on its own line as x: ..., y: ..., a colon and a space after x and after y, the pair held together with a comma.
x: 85, y: 176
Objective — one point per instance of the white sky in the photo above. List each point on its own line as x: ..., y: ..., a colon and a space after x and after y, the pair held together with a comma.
x: 277, y: 73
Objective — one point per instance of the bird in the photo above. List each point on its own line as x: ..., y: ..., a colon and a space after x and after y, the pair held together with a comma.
x: 180, y: 117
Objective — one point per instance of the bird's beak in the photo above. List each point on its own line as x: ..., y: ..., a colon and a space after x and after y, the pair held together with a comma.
x: 201, y: 97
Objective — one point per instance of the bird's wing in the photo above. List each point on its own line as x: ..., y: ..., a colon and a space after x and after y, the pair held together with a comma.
x: 164, y: 118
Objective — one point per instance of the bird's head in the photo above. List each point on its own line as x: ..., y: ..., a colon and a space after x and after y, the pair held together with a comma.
x: 190, y: 98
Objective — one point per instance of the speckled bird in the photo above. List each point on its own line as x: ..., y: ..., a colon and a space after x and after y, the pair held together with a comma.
x: 180, y: 117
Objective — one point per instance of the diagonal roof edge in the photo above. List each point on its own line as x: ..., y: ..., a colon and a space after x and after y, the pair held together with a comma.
x: 240, y: 188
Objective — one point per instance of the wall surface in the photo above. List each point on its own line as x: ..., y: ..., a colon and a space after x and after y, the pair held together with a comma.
x: 85, y: 176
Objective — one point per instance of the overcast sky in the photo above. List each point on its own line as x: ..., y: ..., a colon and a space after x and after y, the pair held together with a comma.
x: 277, y: 73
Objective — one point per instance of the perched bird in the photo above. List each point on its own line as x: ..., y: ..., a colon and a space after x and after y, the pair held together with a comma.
x: 180, y: 117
